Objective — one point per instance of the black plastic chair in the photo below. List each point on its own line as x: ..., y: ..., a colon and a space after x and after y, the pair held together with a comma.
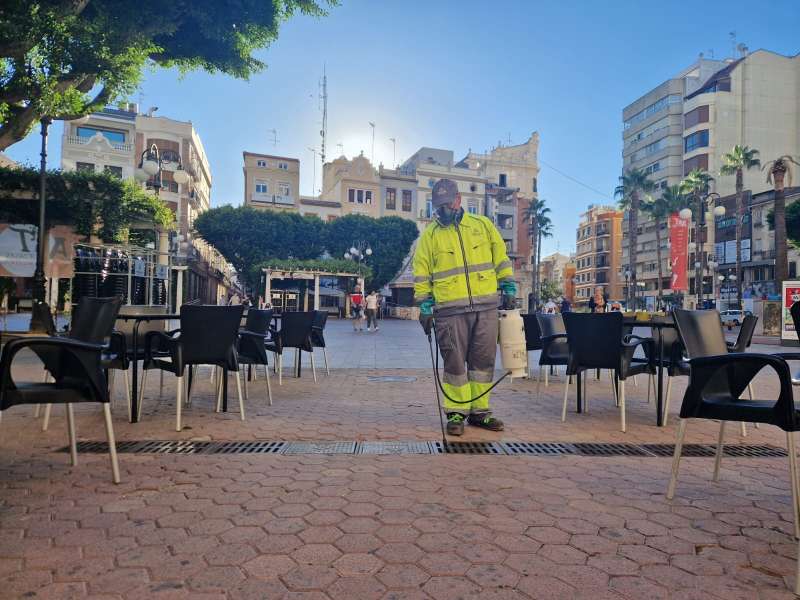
x: 597, y: 341
x: 74, y: 361
x: 742, y: 343
x: 252, y: 348
x: 555, y: 350
x: 674, y: 361
x: 318, y: 335
x: 533, y: 336
x: 716, y: 382
x: 207, y: 336
x: 295, y: 332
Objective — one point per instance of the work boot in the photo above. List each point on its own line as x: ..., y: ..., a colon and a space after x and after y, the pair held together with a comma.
x: 455, y: 424
x: 486, y: 421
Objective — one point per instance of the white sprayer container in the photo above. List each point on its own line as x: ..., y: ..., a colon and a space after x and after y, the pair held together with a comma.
x: 511, y: 337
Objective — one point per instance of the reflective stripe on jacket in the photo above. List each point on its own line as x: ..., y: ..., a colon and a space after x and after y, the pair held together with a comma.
x: 445, y: 255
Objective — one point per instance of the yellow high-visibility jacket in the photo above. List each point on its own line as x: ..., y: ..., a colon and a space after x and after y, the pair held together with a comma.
x: 460, y: 266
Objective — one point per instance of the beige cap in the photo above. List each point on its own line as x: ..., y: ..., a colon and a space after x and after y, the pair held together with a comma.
x: 444, y: 192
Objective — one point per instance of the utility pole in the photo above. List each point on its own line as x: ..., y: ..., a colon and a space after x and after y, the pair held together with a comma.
x: 314, y: 172
x: 274, y: 133
x: 394, y: 152
x: 372, y: 158
x: 340, y: 146
x: 324, y: 99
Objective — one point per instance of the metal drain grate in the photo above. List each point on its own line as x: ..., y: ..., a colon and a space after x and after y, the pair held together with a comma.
x: 320, y: 448
x: 467, y: 448
x: 391, y: 379
x: 537, y: 449
x: 393, y: 448
x: 245, y: 448
x: 592, y: 449
x: 687, y: 450
x: 754, y: 451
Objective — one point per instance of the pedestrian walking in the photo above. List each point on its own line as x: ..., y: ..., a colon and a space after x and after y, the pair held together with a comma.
x: 371, y: 309
x: 459, y: 263
x: 357, y: 309
x: 565, y: 306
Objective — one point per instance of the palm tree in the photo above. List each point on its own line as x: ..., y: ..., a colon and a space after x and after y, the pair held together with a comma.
x: 632, y: 185
x: 531, y: 215
x: 778, y: 171
x: 545, y: 227
x: 695, y: 185
x: 734, y: 163
x: 659, y: 209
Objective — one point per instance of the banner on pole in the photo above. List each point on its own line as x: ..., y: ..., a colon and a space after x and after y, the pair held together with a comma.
x: 678, y: 253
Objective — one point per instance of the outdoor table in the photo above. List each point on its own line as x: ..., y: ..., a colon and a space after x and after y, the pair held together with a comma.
x: 137, y: 320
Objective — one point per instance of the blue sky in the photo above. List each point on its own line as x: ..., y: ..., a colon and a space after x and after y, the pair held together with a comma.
x: 460, y: 75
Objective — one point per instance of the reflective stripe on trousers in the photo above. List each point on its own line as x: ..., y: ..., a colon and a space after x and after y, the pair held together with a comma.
x: 468, y: 345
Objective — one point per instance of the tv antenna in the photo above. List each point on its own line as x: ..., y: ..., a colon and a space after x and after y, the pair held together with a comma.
x: 340, y: 146
x: 323, y: 96
x: 274, y: 133
x: 394, y: 151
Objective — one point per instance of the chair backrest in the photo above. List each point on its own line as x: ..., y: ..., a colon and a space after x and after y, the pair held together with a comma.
x: 94, y: 318
x: 745, y: 337
x: 550, y: 324
x: 209, y: 333
x: 320, y: 319
x: 700, y: 332
x: 258, y: 320
x: 296, y: 329
x: 595, y: 339
x: 795, y: 312
x: 673, y: 348
x: 318, y: 328
x: 533, y: 335
x: 126, y: 326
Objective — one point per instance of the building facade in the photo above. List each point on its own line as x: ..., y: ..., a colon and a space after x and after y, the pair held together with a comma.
x: 271, y: 182
x: 598, y: 254
x: 398, y: 195
x: 553, y: 269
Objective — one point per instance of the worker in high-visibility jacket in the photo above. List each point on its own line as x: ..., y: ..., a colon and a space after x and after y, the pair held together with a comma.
x: 459, y: 264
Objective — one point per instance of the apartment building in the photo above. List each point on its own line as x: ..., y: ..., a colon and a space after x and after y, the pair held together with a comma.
x: 652, y: 133
x: 553, y: 268
x: 398, y: 193
x: 598, y: 254
x: 271, y: 182
x: 114, y: 139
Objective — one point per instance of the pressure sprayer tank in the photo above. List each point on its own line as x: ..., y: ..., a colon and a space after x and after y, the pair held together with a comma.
x: 511, y: 337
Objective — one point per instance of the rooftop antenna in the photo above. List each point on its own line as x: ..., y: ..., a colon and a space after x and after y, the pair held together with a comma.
x: 371, y: 124
x: 394, y: 151
x: 274, y: 133
x: 732, y: 35
x: 324, y: 99
x: 314, y: 171
x: 509, y: 138
x: 340, y: 146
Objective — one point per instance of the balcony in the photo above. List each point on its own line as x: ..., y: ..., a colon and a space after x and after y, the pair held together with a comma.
x: 274, y: 199
x: 762, y: 255
x: 74, y: 140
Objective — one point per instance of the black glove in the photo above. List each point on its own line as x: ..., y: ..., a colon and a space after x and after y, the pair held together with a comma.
x: 427, y: 323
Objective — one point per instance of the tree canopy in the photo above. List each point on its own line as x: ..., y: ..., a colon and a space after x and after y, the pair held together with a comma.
x: 65, y: 58
x: 251, y: 238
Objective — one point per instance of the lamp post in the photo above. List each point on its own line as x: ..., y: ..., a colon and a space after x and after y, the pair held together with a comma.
x: 712, y: 267
x: 359, y: 251
x: 703, y: 202
x: 640, y: 285
x: 40, y: 310
x: 627, y: 289
x: 151, y: 164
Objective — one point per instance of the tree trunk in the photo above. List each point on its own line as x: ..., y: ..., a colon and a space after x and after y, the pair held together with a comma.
x: 534, y: 268
x: 781, y: 259
x: 698, y: 250
x: 739, y: 217
x: 660, y: 268
x: 633, y: 224
x: 538, y: 263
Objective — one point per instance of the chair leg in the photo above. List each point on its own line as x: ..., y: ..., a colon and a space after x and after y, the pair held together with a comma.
x: 280, y: 369
x: 649, y: 382
x: 566, y: 393
x: 665, y: 416
x: 269, y: 387
x: 635, y: 381
x: 614, y: 389
x: 547, y: 377
x: 239, y: 390
x: 795, y: 481
x: 127, y: 392
x: 111, y: 377
x: 676, y: 459
x: 750, y: 393
x: 73, y: 445
x: 539, y: 382
x: 622, y: 405
x: 325, y: 356
x: 38, y: 408
x: 313, y: 368
x: 245, y: 387
x: 178, y: 404
x: 141, y: 390
x: 219, y: 390
x: 46, y: 420
x: 585, y: 393
x: 213, y: 372
x: 743, y: 429
x: 160, y: 383
x: 112, y: 443
x: 720, y: 448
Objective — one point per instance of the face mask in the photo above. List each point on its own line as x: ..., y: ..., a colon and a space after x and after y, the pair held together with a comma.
x: 447, y: 215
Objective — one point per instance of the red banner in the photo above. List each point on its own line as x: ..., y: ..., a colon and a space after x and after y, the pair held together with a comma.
x: 678, y: 253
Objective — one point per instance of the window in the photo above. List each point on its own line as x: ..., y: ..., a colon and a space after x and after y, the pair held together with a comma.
x: 699, y: 139
x: 693, y: 117
x: 430, y: 183
x: 284, y: 189
x: 652, y: 168
x: 261, y: 163
x: 112, y: 135
x: 170, y: 186
x: 170, y: 156
x: 648, y: 131
x: 472, y: 209
x: 406, y: 200
x: 84, y: 166
x: 505, y: 221
x: 115, y: 171
x: 645, y: 151
x: 428, y: 208
x: 360, y: 196
x: 649, y: 111
x: 262, y: 187
x: 351, y: 195
x: 284, y: 166
x: 509, y: 247
x: 696, y: 162
x: 534, y: 185
x: 368, y: 197
x: 391, y: 199
x: 502, y: 180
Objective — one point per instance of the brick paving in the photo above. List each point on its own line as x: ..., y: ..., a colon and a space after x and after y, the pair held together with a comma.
x: 393, y: 527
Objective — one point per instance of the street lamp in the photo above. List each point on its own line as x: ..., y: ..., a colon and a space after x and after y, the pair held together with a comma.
x: 703, y: 202
x: 627, y: 289
x: 151, y: 166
